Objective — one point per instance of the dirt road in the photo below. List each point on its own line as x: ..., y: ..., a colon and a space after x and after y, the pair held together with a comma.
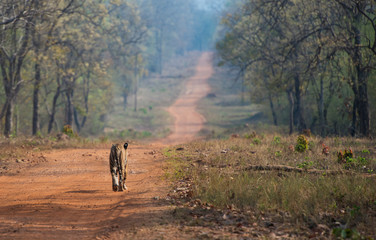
x: 188, y: 122
x: 68, y: 195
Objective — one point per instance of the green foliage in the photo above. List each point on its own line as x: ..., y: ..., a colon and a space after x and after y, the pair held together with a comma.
x: 91, y: 54
x: 278, y: 153
x: 276, y: 140
x: 68, y: 130
x: 305, y: 165
x: 366, y: 151
x: 251, y: 135
x: 256, y: 141
x: 301, y: 144
x: 345, y: 157
x: 273, y: 44
x: 346, y: 233
x: 143, y: 110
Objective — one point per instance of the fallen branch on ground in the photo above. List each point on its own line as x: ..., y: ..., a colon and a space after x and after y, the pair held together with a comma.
x: 300, y: 170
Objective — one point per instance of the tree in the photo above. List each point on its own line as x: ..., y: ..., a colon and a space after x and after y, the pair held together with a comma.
x: 127, y: 35
x: 293, y: 42
x: 357, y: 37
x: 44, y: 23
x: 15, y: 36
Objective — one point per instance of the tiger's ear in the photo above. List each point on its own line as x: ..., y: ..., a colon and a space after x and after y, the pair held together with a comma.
x: 125, y: 145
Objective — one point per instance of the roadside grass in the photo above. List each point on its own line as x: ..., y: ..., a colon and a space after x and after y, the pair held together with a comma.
x: 155, y: 94
x: 337, y: 194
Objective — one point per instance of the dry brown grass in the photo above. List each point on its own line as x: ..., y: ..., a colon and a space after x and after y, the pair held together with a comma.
x: 345, y: 199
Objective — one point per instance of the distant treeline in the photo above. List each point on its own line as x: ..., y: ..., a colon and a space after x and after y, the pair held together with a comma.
x: 312, y: 62
x: 62, y: 60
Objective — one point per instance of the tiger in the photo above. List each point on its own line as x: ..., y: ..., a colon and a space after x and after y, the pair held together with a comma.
x: 119, y: 166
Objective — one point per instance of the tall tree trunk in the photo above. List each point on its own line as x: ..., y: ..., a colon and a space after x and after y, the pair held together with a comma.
x: 69, y: 108
x: 135, y: 95
x: 76, y: 121
x: 291, y: 103
x: 36, y: 126
x: 321, y: 108
x: 136, y: 85
x: 274, y: 114
x: 17, y: 119
x: 125, y: 100
x: 12, y: 84
x: 9, y: 119
x: 125, y: 91
x: 354, y: 118
x: 299, y: 110
x: 363, y: 106
x: 361, y: 93
x: 243, y: 91
x: 159, y: 46
x: 37, y: 80
x: 53, y: 111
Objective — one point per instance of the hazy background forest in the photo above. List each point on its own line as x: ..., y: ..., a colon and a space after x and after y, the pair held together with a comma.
x: 107, y: 66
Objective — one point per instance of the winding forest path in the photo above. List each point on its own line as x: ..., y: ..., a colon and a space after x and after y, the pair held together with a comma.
x: 68, y: 194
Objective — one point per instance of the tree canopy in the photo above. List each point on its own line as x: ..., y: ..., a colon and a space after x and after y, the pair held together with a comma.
x: 62, y: 60
x: 313, y: 51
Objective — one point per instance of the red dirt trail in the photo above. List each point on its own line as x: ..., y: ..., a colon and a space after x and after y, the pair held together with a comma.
x: 68, y: 195
x: 188, y: 122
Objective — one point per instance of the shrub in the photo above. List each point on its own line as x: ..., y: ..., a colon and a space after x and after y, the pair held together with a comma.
x: 68, y: 130
x: 301, y: 144
x: 325, y: 149
x: 256, y: 141
x: 344, y: 157
x: 276, y: 140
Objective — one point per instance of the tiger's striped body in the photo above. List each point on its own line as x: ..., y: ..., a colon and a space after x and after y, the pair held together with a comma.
x: 118, y: 166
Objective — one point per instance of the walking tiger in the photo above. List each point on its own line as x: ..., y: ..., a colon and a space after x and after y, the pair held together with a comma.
x: 118, y: 166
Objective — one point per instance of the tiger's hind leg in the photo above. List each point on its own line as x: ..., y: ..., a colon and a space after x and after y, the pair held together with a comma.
x: 115, y: 181
x: 122, y: 186
x: 125, y: 176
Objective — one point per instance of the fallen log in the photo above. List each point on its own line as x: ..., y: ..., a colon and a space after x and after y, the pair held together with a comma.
x: 283, y: 168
